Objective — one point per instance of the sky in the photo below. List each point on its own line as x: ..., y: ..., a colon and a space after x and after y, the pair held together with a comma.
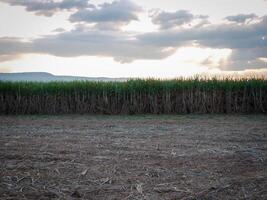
x: 133, y: 38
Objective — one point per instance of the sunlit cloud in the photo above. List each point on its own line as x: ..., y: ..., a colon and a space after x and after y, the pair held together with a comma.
x: 125, y: 33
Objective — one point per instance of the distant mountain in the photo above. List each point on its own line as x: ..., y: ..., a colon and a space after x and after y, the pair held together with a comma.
x: 47, y: 77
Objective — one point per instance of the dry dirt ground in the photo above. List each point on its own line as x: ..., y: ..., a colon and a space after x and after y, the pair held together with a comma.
x: 133, y: 157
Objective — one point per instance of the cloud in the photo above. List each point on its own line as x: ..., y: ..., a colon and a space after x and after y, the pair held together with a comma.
x: 248, y: 41
x: 105, y: 16
x: 246, y: 59
x: 49, y: 7
x: 122, y: 46
x: 167, y: 20
x: 59, y: 30
x: 242, y: 18
x: 12, y: 48
x: 109, y: 15
x: 217, y: 36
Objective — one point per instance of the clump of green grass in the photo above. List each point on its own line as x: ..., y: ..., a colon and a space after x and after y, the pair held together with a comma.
x: 135, y: 97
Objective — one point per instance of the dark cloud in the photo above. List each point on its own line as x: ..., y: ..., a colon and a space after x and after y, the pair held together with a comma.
x: 105, y: 16
x: 49, y: 7
x: 168, y: 20
x: 248, y: 41
x: 123, y: 47
x: 109, y: 15
x: 246, y: 59
x: 217, y: 36
x: 13, y: 48
x: 248, y: 44
x: 242, y: 18
x: 59, y: 30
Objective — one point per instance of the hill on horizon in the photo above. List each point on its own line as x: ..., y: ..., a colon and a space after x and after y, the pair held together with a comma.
x: 47, y: 77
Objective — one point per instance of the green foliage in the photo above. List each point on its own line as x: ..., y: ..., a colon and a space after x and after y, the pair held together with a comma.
x: 137, y: 96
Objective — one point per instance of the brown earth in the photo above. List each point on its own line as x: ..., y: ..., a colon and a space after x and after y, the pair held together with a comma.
x: 133, y: 157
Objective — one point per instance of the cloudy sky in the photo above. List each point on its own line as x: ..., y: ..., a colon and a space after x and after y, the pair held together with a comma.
x: 133, y: 38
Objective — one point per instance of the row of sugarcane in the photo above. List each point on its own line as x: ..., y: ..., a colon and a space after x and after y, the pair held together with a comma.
x: 150, y: 96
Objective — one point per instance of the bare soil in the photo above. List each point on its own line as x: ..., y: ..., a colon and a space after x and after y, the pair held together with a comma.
x: 133, y: 157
